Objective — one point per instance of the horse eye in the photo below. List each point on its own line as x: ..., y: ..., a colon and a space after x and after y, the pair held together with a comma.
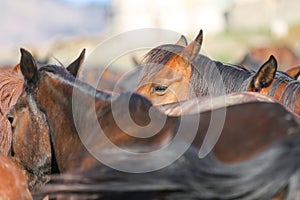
x: 10, y: 118
x: 160, y: 89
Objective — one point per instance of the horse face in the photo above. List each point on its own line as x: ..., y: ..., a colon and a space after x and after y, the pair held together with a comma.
x: 170, y: 84
x: 31, y: 147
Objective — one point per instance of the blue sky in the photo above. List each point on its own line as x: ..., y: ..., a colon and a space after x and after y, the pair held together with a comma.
x: 86, y: 1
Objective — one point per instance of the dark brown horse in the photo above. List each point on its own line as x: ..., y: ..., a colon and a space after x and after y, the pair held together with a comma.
x: 33, y: 132
x: 244, y: 163
x: 248, y: 170
x: 173, y: 73
x: 11, y: 85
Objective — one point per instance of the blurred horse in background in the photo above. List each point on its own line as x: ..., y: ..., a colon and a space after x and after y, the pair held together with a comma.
x: 112, y: 81
x: 285, y: 56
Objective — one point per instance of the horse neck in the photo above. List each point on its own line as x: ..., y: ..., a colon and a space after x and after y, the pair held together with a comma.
x: 214, y: 78
x: 58, y: 107
x: 288, y: 93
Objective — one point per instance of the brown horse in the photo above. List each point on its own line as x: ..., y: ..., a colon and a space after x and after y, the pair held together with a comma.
x: 173, y: 73
x: 294, y: 72
x: 190, y: 177
x: 13, y: 184
x: 11, y: 84
x: 110, y: 80
x: 244, y: 163
x: 257, y: 55
x: 32, y: 131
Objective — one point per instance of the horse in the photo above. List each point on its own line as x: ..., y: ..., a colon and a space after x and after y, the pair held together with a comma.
x: 187, y: 178
x: 112, y: 81
x: 250, y: 170
x: 173, y: 73
x: 13, y: 184
x: 294, y: 72
x: 34, y: 132
x: 257, y: 55
x: 190, y: 177
x: 44, y: 95
x: 11, y: 83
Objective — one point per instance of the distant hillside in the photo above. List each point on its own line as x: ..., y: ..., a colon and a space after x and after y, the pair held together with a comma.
x: 36, y: 21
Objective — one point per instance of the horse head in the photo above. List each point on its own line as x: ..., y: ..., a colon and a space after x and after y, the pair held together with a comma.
x: 171, y: 82
x: 31, y: 142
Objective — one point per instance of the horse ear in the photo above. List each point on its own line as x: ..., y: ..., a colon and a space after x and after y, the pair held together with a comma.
x: 28, y: 67
x: 293, y: 73
x: 16, y: 68
x: 192, y: 50
x: 265, y: 75
x: 74, y: 67
x: 182, y: 41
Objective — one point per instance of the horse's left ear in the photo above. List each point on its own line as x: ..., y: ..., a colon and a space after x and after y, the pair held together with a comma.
x: 28, y: 67
x: 265, y: 75
x: 74, y: 67
x: 192, y: 50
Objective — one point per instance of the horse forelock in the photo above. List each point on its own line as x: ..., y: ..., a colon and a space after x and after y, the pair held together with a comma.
x: 156, y: 59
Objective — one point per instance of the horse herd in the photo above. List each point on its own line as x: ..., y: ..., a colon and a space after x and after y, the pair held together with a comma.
x: 55, y: 126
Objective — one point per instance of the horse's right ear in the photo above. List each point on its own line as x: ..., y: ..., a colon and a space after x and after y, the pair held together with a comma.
x: 182, y: 41
x: 28, y: 67
x: 75, y: 66
x: 265, y: 75
x: 192, y: 50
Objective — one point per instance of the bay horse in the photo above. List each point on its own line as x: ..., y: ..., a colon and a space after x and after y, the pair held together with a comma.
x: 244, y: 163
x: 173, y: 73
x: 33, y: 133
x: 11, y: 83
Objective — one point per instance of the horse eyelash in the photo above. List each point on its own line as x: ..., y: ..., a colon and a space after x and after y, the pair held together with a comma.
x: 164, y: 88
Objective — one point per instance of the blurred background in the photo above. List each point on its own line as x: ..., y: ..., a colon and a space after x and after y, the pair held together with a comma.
x: 232, y: 28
